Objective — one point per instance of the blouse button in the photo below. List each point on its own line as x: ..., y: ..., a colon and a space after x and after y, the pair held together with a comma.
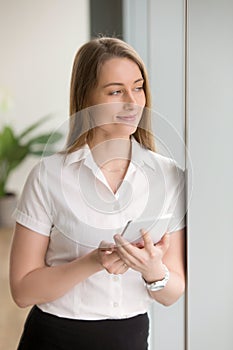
x: 115, y: 304
x: 115, y: 278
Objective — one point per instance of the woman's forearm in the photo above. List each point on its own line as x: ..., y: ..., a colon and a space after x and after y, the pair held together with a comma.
x: 46, y: 284
x: 173, y: 290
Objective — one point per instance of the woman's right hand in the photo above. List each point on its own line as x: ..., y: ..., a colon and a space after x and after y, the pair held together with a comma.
x: 109, y: 259
x: 34, y: 282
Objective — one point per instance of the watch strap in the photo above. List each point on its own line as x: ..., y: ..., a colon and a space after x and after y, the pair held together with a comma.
x: 158, y: 285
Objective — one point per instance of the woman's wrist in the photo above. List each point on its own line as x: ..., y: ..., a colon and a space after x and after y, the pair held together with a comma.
x: 157, y: 274
x: 94, y: 260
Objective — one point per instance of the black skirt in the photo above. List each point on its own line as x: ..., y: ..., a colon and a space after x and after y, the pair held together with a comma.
x: 43, y: 331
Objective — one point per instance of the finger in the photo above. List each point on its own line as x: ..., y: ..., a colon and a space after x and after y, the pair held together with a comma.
x: 126, y: 251
x: 139, y: 245
x: 107, y: 247
x: 120, y: 241
x: 164, y: 242
x: 123, y: 246
x: 148, y: 243
x: 120, y: 269
x: 123, y: 268
x: 109, y: 261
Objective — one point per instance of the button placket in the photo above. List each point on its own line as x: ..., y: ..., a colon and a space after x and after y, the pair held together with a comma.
x: 116, y: 292
x: 116, y: 278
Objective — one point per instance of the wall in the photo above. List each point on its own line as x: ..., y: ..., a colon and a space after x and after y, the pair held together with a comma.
x: 166, y: 60
x: 156, y: 29
x: 38, y: 42
x: 210, y: 219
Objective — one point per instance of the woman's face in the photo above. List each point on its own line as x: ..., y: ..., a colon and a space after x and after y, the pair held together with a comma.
x: 118, y: 99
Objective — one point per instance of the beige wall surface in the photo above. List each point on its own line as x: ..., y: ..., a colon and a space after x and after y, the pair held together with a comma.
x: 38, y: 42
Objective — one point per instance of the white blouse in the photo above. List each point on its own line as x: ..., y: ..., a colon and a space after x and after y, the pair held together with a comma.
x: 67, y: 198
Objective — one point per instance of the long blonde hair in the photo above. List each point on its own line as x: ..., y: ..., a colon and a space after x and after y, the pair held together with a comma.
x: 87, y: 63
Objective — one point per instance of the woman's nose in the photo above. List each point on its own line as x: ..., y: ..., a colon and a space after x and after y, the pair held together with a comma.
x: 129, y: 106
x: 130, y: 98
x: 129, y: 101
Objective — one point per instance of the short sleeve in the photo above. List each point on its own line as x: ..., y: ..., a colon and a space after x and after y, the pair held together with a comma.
x: 33, y: 208
x: 177, y: 203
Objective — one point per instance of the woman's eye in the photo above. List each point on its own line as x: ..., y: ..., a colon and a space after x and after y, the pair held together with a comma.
x: 139, y: 88
x: 114, y: 93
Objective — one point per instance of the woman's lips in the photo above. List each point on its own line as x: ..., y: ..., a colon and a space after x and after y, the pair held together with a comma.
x: 127, y: 118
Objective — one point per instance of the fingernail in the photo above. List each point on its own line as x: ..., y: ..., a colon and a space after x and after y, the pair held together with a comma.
x: 108, y: 252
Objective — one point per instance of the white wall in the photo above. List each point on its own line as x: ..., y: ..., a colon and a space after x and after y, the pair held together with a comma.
x: 209, y: 126
x: 156, y: 30
x: 210, y: 119
x: 166, y: 62
x: 38, y: 42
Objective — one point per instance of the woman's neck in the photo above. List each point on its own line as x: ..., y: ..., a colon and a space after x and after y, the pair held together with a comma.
x: 111, y: 154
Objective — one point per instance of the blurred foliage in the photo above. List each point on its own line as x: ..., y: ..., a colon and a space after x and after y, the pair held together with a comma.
x: 15, y: 148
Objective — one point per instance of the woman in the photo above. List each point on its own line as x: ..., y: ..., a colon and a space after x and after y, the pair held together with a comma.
x: 88, y: 284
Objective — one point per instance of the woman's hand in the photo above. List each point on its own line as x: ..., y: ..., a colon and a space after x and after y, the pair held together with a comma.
x: 110, y: 260
x: 149, y: 260
x: 146, y: 260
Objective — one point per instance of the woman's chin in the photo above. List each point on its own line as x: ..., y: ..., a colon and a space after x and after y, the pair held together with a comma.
x: 126, y: 129
x: 118, y: 130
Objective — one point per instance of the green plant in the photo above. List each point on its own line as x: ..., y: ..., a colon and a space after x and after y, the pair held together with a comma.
x: 15, y: 148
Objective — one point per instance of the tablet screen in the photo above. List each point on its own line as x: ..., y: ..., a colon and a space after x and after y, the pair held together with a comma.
x: 156, y: 228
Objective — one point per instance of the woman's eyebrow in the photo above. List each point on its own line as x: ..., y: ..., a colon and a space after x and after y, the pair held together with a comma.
x: 121, y: 84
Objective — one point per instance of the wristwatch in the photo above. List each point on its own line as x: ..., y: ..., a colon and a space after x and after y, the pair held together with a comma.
x: 158, y: 285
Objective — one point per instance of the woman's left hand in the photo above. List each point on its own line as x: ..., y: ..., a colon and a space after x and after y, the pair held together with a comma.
x: 146, y: 260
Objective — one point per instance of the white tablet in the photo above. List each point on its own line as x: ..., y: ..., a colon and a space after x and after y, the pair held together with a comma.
x: 156, y: 228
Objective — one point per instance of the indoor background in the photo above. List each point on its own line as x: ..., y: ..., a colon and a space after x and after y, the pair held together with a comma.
x: 187, y: 47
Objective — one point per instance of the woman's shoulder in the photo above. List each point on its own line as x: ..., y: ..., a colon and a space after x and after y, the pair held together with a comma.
x: 46, y: 165
x: 163, y: 161
x: 166, y: 166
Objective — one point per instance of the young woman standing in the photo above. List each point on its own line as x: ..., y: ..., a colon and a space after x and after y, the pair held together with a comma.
x: 90, y: 287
